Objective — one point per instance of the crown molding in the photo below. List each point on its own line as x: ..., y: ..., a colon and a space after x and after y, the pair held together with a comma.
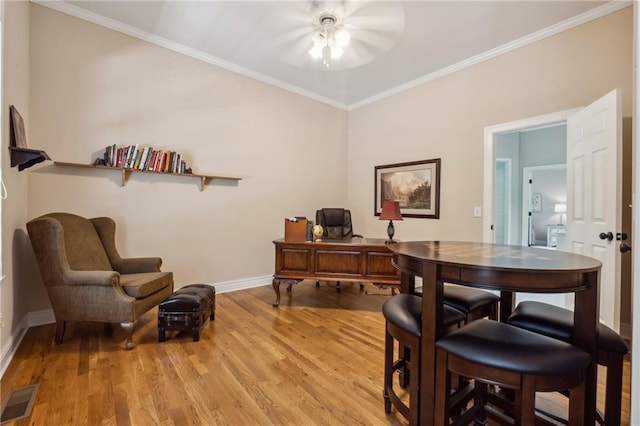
x: 568, y: 24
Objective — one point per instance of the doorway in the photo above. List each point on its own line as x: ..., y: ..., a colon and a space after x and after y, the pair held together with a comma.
x: 520, y: 154
x: 544, y: 204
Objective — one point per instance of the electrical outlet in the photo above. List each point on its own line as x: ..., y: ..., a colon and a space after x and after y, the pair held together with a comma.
x: 1, y: 321
x: 477, y: 211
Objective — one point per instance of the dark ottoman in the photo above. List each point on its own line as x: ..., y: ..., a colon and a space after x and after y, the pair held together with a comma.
x: 187, y: 309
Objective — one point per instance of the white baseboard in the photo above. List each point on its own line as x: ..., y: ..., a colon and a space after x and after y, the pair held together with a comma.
x: 235, y: 285
x: 36, y: 318
x: 43, y: 317
x: 10, y: 348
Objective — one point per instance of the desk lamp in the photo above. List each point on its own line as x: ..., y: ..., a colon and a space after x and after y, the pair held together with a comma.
x: 390, y: 212
x: 562, y: 209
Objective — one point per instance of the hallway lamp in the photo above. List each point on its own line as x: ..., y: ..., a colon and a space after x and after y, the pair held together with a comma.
x: 390, y: 212
x: 562, y: 209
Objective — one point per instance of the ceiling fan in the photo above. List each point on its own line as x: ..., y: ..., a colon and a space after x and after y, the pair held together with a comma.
x: 338, y: 35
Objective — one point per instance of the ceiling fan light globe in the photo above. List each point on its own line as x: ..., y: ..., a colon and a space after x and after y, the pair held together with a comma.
x: 316, y: 49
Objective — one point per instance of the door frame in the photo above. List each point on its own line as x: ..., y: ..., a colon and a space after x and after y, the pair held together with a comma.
x: 490, y: 134
x: 507, y: 189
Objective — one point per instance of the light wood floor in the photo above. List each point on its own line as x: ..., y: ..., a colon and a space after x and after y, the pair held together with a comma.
x: 316, y: 360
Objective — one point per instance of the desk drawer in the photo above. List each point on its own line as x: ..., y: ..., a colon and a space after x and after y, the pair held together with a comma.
x: 293, y: 260
x: 379, y: 265
x: 337, y: 262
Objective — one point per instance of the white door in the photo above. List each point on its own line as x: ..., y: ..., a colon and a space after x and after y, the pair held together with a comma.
x: 594, y: 194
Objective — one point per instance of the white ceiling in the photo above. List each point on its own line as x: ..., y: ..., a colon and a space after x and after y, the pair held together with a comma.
x: 395, y: 45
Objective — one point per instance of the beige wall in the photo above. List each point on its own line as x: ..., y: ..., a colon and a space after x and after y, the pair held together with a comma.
x: 446, y: 118
x: 14, y: 295
x: 92, y: 87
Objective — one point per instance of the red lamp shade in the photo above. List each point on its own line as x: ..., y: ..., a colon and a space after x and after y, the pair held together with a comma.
x: 390, y: 211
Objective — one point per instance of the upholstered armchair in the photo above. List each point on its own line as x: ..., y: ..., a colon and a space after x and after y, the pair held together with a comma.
x: 86, y: 278
x: 336, y: 223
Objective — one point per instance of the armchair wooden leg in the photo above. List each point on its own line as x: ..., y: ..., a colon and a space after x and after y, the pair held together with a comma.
x: 60, y: 327
x: 128, y: 328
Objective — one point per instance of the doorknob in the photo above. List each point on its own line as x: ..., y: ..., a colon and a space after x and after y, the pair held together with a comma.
x: 624, y: 247
x: 608, y: 236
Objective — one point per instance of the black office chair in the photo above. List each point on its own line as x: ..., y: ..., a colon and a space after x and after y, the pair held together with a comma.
x: 336, y: 223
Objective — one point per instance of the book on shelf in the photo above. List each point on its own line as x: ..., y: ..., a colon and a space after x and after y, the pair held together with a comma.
x: 134, y: 156
x: 154, y: 159
x: 160, y: 163
x: 174, y: 158
x: 167, y: 162
x: 127, y: 155
x: 127, y: 159
x: 120, y: 160
x: 141, y: 158
x: 147, y: 160
x: 137, y: 159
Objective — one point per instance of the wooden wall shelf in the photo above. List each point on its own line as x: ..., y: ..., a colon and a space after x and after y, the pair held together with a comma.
x: 204, y: 179
x: 25, y: 157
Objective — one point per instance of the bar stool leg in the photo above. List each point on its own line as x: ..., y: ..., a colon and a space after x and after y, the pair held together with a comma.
x: 526, y: 408
x: 577, y: 399
x: 480, y: 400
x: 613, y: 403
x: 388, y: 368
x: 443, y: 383
x: 414, y: 389
x: 404, y: 373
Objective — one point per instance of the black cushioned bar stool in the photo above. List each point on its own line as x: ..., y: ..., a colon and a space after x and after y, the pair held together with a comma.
x: 500, y: 354
x: 472, y: 302
x: 403, y: 315
x: 557, y: 322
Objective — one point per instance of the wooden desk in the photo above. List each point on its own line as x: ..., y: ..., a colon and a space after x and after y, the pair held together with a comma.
x: 344, y: 259
x: 508, y: 269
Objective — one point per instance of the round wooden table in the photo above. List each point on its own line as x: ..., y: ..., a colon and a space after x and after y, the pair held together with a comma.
x: 509, y: 269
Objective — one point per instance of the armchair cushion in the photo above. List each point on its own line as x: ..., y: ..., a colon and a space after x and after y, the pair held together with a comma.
x: 145, y: 284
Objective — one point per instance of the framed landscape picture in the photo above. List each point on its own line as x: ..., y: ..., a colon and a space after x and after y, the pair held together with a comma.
x: 415, y: 185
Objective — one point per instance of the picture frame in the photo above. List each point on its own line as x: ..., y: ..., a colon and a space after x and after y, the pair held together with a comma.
x: 536, y: 202
x: 415, y: 184
x: 18, y: 136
